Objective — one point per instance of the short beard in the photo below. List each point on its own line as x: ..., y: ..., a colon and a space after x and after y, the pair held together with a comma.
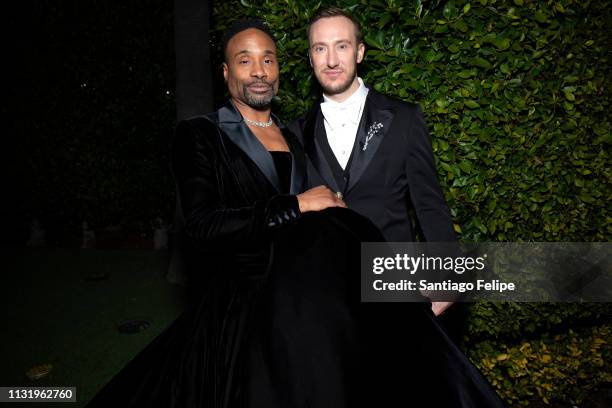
x: 336, y: 89
x: 258, y: 101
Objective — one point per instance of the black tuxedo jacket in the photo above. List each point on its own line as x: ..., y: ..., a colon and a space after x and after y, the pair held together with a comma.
x: 390, y: 174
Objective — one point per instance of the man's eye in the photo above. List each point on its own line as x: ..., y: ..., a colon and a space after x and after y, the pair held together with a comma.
x: 318, y: 49
x: 343, y: 46
x: 243, y: 62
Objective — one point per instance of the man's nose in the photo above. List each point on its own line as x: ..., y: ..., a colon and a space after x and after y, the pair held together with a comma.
x: 332, y: 58
x: 258, y: 70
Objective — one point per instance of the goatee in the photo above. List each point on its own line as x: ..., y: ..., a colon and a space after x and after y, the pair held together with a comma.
x: 258, y: 101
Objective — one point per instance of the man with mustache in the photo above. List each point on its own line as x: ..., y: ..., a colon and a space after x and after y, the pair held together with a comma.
x: 372, y: 150
x: 240, y: 181
x: 246, y: 138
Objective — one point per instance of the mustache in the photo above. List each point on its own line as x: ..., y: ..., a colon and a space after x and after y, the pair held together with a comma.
x: 259, y: 82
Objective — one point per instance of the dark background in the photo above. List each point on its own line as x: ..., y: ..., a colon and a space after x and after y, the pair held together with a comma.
x: 90, y: 110
x: 93, y: 91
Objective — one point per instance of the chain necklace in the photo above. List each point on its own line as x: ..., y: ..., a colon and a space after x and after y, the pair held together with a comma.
x: 260, y: 124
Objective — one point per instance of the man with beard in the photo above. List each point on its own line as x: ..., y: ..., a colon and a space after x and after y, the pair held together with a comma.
x: 240, y: 181
x: 248, y: 138
x: 373, y: 151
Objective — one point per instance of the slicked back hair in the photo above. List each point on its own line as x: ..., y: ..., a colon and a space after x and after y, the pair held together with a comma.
x: 239, y: 26
x: 336, y: 12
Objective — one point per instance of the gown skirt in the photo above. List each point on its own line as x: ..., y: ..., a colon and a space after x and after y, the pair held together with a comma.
x: 294, y: 333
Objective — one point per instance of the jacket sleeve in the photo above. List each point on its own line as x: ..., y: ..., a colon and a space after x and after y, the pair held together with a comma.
x: 426, y: 195
x: 207, y: 218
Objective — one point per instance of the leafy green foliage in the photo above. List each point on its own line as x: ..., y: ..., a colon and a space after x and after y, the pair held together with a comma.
x: 516, y: 321
x: 543, y: 351
x: 517, y: 101
x: 561, y: 367
x: 514, y: 93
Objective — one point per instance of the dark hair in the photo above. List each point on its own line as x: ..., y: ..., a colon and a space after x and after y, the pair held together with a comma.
x: 336, y: 12
x: 239, y: 26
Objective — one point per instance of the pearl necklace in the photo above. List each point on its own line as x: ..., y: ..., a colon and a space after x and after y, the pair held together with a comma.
x: 260, y: 124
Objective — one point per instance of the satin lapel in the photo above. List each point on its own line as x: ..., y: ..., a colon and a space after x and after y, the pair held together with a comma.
x: 313, y: 131
x: 230, y: 121
x: 375, y: 123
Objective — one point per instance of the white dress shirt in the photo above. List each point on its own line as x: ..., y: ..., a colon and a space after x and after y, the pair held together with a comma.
x: 341, y: 122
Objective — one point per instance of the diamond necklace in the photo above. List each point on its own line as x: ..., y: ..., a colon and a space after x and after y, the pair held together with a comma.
x: 260, y: 124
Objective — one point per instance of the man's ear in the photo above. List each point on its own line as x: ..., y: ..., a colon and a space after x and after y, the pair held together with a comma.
x: 225, y: 68
x: 360, y: 52
x: 310, y: 59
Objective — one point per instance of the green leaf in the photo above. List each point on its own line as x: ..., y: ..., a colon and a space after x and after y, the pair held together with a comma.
x: 466, y: 166
x: 442, y: 102
x: 466, y: 74
x: 540, y: 17
x: 568, y: 91
x: 449, y: 11
x: 375, y: 41
x: 481, y: 62
x: 454, y: 48
x: 502, y: 43
x: 587, y: 198
x: 461, y: 25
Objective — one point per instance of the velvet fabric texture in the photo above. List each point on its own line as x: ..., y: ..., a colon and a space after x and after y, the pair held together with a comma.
x: 276, y: 318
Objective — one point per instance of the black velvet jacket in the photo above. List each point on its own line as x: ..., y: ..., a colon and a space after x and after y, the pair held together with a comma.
x: 228, y: 191
x: 279, y: 322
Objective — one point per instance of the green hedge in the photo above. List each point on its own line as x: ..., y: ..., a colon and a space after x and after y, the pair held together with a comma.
x: 544, y: 351
x: 516, y: 321
x: 516, y: 98
x: 563, y: 367
x: 514, y: 94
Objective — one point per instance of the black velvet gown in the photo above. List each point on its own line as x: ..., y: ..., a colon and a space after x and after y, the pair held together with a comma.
x: 289, y: 330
